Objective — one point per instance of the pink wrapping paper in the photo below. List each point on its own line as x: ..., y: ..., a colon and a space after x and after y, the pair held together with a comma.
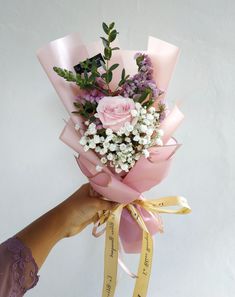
x: 69, y: 51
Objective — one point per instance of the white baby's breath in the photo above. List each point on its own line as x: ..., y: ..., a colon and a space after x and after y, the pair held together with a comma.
x: 112, y: 147
x: 110, y: 157
x: 97, y: 149
x: 160, y: 132
x: 86, y: 148
x: 159, y: 142
x: 109, y: 131
x: 152, y: 109
x: 134, y: 112
x: 103, y: 160
x: 122, y: 146
x: 92, y: 144
x: 122, y: 149
x: 77, y: 126
x: 83, y: 140
x: 98, y: 168
x: 146, y: 153
x: 96, y: 139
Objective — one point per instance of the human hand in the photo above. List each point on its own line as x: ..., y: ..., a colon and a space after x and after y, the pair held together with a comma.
x: 81, y: 208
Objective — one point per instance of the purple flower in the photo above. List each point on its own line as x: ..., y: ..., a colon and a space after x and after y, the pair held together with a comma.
x: 92, y: 96
x: 142, y: 80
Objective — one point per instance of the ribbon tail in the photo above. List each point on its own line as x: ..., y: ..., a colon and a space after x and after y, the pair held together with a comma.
x: 145, y: 265
x: 122, y: 264
x: 111, y: 253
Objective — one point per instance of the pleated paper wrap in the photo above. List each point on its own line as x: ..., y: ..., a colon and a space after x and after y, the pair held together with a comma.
x: 67, y: 52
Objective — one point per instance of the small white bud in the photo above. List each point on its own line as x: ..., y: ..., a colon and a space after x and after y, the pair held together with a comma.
x: 103, y: 160
x: 92, y: 144
x: 86, y: 148
x: 143, y: 128
x: 118, y: 170
x: 152, y: 109
x: 103, y: 151
x: 77, y: 126
x: 159, y: 142
x: 112, y: 147
x: 150, y: 117
x: 134, y: 112
x: 83, y: 140
x: 109, y: 131
x: 160, y: 132
x: 144, y: 141
x: 124, y: 167
x: 146, y: 153
x: 98, y: 168
x: 136, y: 138
x: 96, y: 139
x: 97, y: 149
x: 138, y: 105
x: 110, y: 157
x: 149, y: 132
x: 122, y: 146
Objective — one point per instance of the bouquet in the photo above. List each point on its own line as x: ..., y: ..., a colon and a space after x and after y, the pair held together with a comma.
x: 121, y: 127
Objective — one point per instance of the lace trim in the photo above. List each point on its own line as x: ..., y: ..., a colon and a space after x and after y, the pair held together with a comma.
x: 24, y: 267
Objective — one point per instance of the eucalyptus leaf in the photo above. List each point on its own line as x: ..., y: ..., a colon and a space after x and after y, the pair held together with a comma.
x: 113, y: 35
x: 111, y: 26
x: 113, y: 67
x: 105, y: 42
x: 105, y: 28
x: 109, y: 77
x: 107, y: 53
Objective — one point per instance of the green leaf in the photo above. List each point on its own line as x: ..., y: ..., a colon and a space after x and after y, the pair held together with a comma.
x: 109, y: 77
x: 139, y: 60
x: 77, y: 104
x: 103, y: 75
x: 113, y: 35
x: 115, y: 48
x: 66, y: 74
x: 143, y: 96
x: 111, y: 26
x: 123, y: 73
x: 85, y: 75
x: 107, y: 53
x: 113, y: 67
x: 103, y: 65
x: 105, y: 42
x: 105, y: 28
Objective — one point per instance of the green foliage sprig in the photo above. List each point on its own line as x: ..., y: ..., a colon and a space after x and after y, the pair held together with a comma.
x: 92, y: 78
x: 88, y: 79
x: 108, y: 51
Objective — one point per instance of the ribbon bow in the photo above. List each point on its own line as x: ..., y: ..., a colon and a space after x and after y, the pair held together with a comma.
x: 112, y: 220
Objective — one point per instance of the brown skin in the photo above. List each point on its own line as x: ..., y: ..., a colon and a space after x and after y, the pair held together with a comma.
x: 66, y: 219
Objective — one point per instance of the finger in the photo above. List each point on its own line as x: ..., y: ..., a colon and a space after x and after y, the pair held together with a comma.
x: 93, y: 193
x: 106, y: 204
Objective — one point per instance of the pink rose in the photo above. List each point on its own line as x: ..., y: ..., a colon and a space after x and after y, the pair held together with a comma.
x: 114, y: 112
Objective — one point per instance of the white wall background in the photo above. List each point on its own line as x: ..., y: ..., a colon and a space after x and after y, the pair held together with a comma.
x: 196, y: 255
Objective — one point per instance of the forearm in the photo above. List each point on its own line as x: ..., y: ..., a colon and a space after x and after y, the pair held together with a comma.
x: 41, y: 235
x: 66, y: 219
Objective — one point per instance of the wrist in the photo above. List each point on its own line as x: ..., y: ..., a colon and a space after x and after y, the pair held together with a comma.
x: 69, y: 220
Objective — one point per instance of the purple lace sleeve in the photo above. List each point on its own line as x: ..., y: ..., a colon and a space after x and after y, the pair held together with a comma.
x: 18, y: 270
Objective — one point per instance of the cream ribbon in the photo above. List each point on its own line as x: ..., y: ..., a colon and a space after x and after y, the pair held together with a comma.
x: 112, y: 220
